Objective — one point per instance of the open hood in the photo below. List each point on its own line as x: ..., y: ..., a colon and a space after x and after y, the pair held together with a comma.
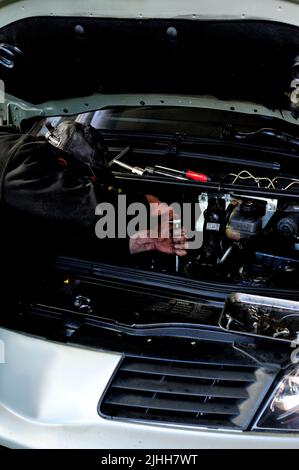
x: 209, y: 339
x: 66, y: 52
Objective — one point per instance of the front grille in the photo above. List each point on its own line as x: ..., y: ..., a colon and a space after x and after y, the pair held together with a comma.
x: 215, y: 395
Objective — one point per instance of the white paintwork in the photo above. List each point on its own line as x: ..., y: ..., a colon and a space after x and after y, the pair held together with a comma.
x: 286, y: 11
x: 48, y: 391
x: 48, y: 399
x: 276, y: 10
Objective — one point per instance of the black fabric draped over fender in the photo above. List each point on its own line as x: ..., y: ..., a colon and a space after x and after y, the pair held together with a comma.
x: 47, y: 208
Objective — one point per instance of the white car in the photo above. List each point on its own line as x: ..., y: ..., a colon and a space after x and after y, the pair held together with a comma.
x: 200, y: 100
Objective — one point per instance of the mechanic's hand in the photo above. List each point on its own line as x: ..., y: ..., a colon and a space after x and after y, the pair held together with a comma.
x: 146, y: 241
x: 172, y: 246
x: 164, y: 238
x: 158, y: 208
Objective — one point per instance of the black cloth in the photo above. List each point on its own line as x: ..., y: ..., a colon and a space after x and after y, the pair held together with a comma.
x: 48, y: 207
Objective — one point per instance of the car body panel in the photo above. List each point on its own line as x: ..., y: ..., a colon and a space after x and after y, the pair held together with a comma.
x: 49, y: 391
x: 267, y: 10
x: 48, y: 399
x: 285, y: 11
x: 15, y: 110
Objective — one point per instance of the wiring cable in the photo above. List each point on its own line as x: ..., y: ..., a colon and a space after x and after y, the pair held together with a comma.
x: 249, y: 175
x: 246, y: 175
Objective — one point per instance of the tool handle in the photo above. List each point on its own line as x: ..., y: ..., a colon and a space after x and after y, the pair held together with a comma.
x: 192, y: 175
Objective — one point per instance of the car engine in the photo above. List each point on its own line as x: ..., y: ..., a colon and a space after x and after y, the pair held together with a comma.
x: 247, y: 224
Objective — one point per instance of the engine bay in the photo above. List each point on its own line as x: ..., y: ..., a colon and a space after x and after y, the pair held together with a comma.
x: 247, y: 241
x: 246, y: 217
x: 239, y: 281
x: 244, y: 207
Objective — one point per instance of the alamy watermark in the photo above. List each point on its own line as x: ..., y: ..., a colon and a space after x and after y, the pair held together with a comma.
x: 295, y: 356
x: 159, y: 219
x: 2, y: 352
x: 2, y: 92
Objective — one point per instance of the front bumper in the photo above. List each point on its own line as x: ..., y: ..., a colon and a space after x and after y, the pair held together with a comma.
x: 49, y: 394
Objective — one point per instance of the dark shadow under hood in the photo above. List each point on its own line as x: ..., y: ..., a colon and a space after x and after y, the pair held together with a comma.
x: 60, y: 58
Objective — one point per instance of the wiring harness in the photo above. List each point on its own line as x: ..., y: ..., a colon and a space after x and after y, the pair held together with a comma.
x: 264, y: 182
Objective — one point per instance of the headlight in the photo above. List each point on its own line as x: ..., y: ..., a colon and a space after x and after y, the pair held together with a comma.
x: 282, y: 411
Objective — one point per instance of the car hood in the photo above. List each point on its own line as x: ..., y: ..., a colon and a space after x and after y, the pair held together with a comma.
x: 283, y: 11
x: 168, y: 53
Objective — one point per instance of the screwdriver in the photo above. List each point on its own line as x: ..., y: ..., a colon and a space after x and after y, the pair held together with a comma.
x: 189, y: 174
x: 159, y: 170
x: 142, y: 171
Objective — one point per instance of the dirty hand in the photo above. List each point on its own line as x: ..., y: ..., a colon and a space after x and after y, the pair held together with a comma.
x: 164, y: 238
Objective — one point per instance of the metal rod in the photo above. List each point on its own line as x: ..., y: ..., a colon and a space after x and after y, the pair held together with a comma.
x: 176, y: 226
x: 169, y: 169
x: 119, y: 156
x: 169, y: 175
x: 133, y: 169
